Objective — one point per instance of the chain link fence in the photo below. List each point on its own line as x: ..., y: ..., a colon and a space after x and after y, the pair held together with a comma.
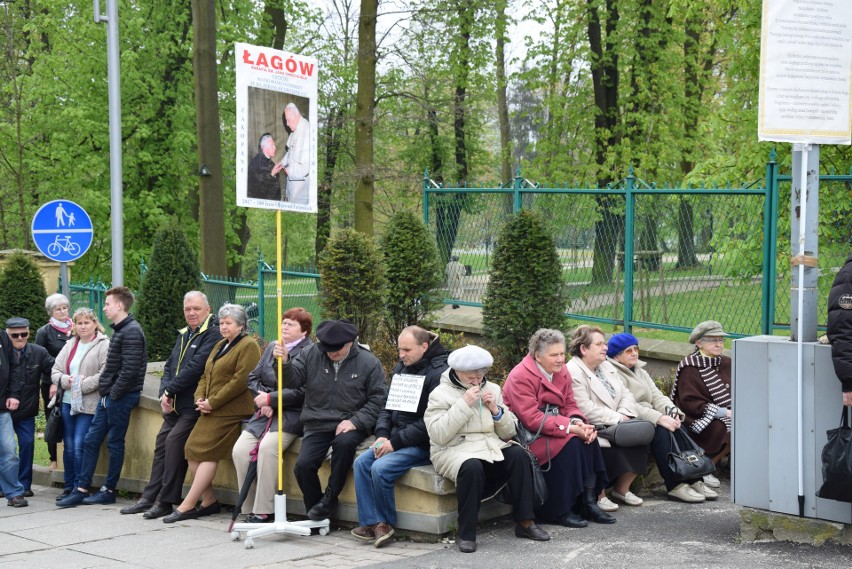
x: 631, y: 254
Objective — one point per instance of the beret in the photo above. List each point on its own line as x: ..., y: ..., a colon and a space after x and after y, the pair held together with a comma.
x: 17, y: 322
x: 334, y: 334
x: 706, y: 328
x: 620, y: 342
x: 470, y: 358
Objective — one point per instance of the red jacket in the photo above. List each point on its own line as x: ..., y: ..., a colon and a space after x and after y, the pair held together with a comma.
x: 527, y: 390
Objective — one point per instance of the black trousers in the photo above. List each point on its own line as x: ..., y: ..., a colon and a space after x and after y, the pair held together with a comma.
x: 314, y: 449
x: 475, y: 475
x: 168, y: 469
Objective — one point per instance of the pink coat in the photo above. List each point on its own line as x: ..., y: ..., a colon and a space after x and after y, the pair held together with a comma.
x: 526, y: 391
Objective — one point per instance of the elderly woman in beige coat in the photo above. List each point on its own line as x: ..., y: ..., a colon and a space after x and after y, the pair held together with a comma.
x: 654, y: 406
x: 469, y: 429
x: 604, y: 400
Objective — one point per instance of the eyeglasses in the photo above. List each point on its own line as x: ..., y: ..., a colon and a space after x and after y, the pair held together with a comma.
x: 714, y: 340
x: 16, y: 335
x: 631, y: 350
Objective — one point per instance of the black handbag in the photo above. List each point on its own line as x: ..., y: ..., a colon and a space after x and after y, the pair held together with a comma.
x: 687, y: 460
x: 837, y: 461
x: 53, y: 425
x: 539, y: 484
x: 527, y: 437
x: 630, y: 433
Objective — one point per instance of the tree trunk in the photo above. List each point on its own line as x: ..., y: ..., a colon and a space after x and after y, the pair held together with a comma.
x: 333, y: 133
x: 502, y: 103
x: 604, y: 66
x: 365, y: 102
x: 211, y: 195
x: 685, y: 235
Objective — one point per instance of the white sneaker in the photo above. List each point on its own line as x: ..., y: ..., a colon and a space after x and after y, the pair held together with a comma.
x: 607, y: 505
x: 630, y: 498
x: 685, y: 493
x: 712, y: 481
x: 702, y: 488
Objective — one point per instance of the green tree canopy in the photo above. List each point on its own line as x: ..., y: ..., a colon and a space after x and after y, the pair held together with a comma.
x: 172, y: 272
x: 22, y: 291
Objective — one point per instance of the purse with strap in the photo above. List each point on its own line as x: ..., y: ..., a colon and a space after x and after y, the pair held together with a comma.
x: 687, y: 460
x: 630, y: 433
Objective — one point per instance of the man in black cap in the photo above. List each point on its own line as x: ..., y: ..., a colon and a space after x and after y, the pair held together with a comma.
x: 9, y: 393
x: 344, y: 392
x: 30, y: 362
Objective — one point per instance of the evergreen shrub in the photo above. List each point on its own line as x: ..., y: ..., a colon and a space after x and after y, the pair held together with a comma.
x: 413, y: 272
x: 172, y: 272
x: 352, y: 280
x: 525, y: 291
x: 22, y: 292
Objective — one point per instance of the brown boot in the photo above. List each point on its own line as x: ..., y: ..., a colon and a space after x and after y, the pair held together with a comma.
x: 383, y: 533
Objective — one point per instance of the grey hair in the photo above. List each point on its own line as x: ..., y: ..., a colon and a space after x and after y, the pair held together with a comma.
x: 235, y: 312
x: 198, y: 293
x: 55, y: 300
x: 264, y: 140
x: 543, y: 338
x: 292, y: 107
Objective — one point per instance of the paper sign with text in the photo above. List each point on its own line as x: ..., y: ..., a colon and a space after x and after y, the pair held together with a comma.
x: 806, y: 71
x: 404, y: 392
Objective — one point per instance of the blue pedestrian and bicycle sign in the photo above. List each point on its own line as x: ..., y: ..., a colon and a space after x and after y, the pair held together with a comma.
x: 62, y: 230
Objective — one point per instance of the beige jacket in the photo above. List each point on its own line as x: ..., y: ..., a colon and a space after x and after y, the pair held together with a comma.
x: 599, y: 407
x: 90, y: 370
x: 651, y: 404
x: 458, y: 431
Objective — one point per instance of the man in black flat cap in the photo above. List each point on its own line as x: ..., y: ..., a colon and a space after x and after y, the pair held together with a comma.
x: 345, y: 390
x: 10, y: 392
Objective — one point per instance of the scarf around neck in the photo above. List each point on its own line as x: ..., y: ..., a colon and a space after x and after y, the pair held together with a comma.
x: 720, y: 392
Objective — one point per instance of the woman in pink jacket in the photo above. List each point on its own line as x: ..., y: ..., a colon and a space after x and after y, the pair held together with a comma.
x: 567, y: 450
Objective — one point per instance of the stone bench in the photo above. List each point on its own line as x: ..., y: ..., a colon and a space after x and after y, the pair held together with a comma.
x: 426, y: 502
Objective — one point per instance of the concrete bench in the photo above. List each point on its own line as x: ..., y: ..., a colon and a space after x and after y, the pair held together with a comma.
x: 426, y: 502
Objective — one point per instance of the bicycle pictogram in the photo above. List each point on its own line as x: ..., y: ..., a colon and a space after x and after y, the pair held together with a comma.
x: 63, y: 244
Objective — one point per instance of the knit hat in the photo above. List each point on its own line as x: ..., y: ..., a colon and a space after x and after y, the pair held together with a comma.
x: 620, y: 342
x: 470, y: 358
x: 706, y: 328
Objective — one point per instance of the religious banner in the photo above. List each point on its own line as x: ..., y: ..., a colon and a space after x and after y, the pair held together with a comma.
x: 276, y: 129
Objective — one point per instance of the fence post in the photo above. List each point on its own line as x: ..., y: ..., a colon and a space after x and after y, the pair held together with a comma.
x: 629, y: 211
x: 517, y: 203
x: 771, y: 247
x: 261, y: 296
x: 426, y: 197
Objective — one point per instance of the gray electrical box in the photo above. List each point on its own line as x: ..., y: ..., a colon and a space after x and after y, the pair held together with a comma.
x: 764, y: 469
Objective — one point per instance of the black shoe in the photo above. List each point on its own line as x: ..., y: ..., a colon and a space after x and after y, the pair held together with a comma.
x: 158, y: 510
x: 467, y: 546
x: 142, y: 505
x: 28, y: 494
x: 63, y: 495
x: 572, y: 520
x: 322, y: 509
x: 532, y: 532
x: 213, y: 508
x: 260, y: 519
x: 592, y: 512
x: 17, y: 502
x: 178, y: 516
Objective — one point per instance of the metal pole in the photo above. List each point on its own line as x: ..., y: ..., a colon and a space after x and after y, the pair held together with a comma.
x: 63, y: 279
x: 629, y: 229
x: 114, y: 91
x: 803, y: 307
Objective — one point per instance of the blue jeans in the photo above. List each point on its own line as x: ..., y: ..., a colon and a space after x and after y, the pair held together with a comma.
x: 375, y: 478
x: 25, y: 430
x: 111, y: 421
x: 9, y: 483
x: 74, y: 428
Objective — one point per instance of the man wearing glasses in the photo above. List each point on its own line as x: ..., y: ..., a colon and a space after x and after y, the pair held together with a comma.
x: 29, y: 363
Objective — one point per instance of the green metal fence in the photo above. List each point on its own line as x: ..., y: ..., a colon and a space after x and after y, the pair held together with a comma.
x: 632, y: 254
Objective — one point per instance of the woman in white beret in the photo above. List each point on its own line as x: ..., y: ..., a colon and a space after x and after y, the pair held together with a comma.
x: 702, y: 390
x: 470, y: 431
